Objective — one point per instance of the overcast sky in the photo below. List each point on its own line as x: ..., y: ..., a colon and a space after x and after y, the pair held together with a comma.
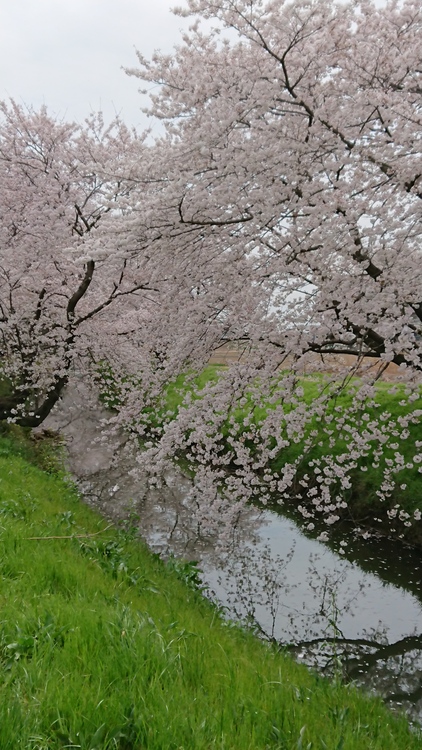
x: 68, y: 54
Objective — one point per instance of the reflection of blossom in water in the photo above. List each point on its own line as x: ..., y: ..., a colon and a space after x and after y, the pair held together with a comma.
x: 257, y: 588
x: 254, y: 586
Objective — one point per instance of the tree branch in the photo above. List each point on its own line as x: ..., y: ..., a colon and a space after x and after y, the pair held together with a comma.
x: 81, y: 290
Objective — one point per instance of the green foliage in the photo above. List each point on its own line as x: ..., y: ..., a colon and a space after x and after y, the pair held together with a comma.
x: 187, y: 571
x: 103, y: 646
x: 43, y: 448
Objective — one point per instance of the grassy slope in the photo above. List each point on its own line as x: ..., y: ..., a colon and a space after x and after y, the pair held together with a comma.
x: 102, y: 646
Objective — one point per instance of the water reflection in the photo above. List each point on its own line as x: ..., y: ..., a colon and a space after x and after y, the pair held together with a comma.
x: 326, y: 611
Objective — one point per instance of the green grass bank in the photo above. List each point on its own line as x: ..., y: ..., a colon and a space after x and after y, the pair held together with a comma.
x: 104, y: 646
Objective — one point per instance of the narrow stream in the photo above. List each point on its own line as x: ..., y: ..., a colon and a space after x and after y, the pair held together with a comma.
x: 356, y: 608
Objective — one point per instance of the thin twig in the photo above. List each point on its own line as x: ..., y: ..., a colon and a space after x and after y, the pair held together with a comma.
x: 71, y: 536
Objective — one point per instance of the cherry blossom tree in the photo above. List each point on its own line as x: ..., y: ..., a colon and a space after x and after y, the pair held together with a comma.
x: 280, y: 207
x: 290, y: 206
x: 64, y: 278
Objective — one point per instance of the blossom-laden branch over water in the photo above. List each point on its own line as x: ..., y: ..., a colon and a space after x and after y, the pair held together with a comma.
x: 281, y: 207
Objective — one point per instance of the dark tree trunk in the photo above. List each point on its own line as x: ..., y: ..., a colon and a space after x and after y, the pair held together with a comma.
x: 11, y: 405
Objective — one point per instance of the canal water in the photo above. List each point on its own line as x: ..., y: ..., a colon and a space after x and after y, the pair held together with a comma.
x: 354, y: 609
